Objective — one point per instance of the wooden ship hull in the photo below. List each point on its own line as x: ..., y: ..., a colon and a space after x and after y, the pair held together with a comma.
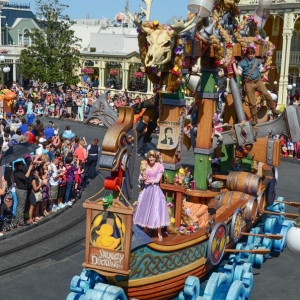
x: 158, y: 270
x: 162, y: 267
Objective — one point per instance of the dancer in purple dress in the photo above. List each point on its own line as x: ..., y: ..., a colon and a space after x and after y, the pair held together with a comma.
x: 151, y: 211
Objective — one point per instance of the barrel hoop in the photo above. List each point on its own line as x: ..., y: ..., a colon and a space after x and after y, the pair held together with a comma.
x: 247, y: 183
x: 228, y: 179
x: 256, y: 181
x: 229, y: 199
x: 235, y: 180
x: 249, y: 209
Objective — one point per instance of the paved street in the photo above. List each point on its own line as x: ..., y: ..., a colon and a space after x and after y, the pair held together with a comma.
x: 50, y: 279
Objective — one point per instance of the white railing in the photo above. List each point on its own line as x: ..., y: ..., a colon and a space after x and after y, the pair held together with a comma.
x: 255, y: 2
x: 294, y: 57
x: 10, y: 49
x: 93, y: 22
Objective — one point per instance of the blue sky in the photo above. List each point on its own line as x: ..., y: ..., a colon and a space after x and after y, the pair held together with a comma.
x: 162, y: 10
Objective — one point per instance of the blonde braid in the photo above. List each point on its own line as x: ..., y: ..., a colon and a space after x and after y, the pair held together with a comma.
x: 271, y: 47
x: 219, y: 51
x: 228, y: 4
x: 176, y: 80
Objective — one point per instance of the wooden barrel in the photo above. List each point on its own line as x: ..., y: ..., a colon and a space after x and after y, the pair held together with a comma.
x: 228, y: 198
x: 261, y: 202
x: 244, y: 182
x: 250, y: 212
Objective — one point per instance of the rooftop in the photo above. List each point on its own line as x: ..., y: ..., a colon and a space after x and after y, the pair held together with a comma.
x: 11, y: 14
x: 16, y: 5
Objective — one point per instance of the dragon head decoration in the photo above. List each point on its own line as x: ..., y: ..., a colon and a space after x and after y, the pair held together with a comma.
x: 157, y: 42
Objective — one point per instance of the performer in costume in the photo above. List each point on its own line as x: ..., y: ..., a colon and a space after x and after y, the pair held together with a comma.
x: 251, y: 69
x: 151, y: 211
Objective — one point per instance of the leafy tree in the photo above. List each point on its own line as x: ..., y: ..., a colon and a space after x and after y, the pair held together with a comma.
x: 53, y: 55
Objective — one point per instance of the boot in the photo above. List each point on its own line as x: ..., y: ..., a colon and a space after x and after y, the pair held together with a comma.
x: 254, y: 120
x: 275, y: 111
x: 270, y: 105
x: 253, y: 111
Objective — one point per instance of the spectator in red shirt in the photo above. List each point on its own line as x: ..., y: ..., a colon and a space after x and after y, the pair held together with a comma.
x: 30, y: 135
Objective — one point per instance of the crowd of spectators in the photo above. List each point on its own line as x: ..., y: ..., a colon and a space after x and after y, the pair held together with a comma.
x: 71, y: 102
x: 49, y: 178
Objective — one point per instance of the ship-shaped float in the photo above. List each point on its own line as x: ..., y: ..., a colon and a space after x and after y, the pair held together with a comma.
x: 216, y: 210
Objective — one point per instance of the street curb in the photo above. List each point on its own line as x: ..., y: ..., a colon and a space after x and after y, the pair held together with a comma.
x: 88, y: 192
x: 16, y: 231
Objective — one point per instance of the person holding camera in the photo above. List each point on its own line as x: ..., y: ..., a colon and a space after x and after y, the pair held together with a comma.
x: 21, y: 184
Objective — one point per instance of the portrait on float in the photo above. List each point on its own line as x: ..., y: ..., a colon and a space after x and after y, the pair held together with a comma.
x: 168, y: 136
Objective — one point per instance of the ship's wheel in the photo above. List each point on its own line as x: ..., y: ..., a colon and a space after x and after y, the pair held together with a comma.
x: 217, y: 244
x: 236, y: 225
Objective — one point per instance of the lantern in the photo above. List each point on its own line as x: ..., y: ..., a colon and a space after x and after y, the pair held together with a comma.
x: 261, y: 16
x: 293, y: 236
x: 202, y: 8
x: 193, y: 81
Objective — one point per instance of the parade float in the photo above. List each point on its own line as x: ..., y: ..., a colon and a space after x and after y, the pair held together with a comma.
x: 8, y: 97
x: 225, y: 214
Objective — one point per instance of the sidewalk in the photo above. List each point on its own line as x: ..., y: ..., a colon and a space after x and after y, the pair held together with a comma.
x: 60, y: 215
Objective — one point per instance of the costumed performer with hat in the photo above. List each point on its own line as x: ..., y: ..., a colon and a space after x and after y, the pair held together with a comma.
x: 251, y: 68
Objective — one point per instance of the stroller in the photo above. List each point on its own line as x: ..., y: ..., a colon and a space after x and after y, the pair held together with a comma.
x: 7, y: 222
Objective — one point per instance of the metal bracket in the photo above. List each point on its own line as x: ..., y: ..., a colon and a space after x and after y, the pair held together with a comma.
x: 270, y: 152
x: 244, y: 133
x: 204, y: 151
x: 213, y: 96
x: 107, y: 161
x: 172, y: 167
x: 174, y: 102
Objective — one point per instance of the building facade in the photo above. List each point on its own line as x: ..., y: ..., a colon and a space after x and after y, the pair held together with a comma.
x: 111, y: 58
x: 16, y: 20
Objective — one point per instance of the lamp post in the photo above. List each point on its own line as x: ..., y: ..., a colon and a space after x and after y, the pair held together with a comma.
x: 294, y: 85
x: 5, y: 69
x: 275, y: 86
x: 289, y: 88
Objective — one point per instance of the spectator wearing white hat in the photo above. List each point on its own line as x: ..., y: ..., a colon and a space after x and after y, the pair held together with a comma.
x: 41, y: 148
x: 56, y: 139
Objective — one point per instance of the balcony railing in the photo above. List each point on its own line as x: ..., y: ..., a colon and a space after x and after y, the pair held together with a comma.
x: 10, y: 49
x: 255, y: 2
x: 294, y: 58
